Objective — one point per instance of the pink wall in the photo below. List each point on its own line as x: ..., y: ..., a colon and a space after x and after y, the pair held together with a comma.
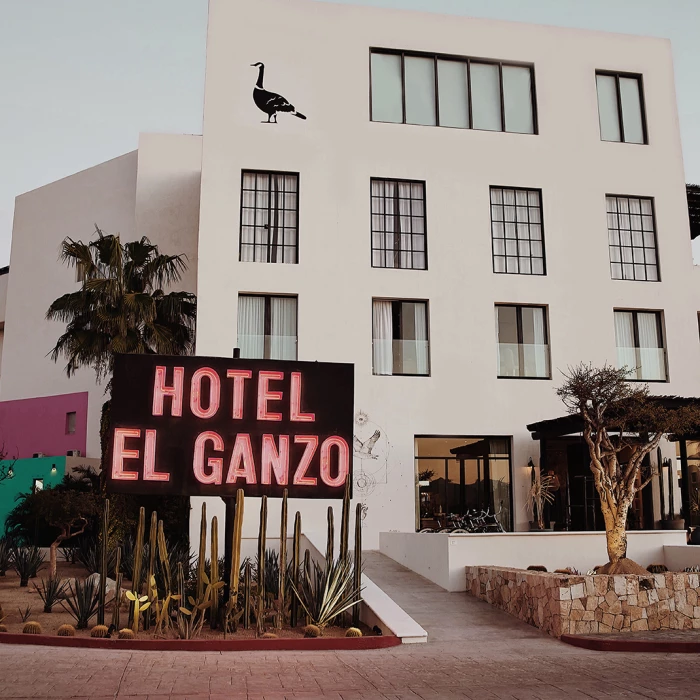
x: 39, y: 425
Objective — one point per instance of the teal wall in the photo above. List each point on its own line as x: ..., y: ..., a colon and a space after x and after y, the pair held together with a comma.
x: 25, y: 471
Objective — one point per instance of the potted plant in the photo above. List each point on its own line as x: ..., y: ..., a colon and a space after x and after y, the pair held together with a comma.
x: 540, y: 493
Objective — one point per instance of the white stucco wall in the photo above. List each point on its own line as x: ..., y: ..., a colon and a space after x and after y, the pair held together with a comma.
x: 317, y: 55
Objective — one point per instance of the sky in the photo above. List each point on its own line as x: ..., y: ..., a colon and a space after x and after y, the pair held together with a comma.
x: 79, y: 79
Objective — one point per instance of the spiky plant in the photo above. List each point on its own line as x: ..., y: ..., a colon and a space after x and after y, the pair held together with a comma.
x: 51, y: 591
x: 26, y: 562
x: 66, y: 631
x: 100, y: 631
x: 268, y: 635
x: 5, y: 555
x: 82, y: 602
x: 24, y: 614
x: 32, y: 627
x: 353, y: 632
x: 126, y: 633
x: 3, y: 628
x: 312, y: 631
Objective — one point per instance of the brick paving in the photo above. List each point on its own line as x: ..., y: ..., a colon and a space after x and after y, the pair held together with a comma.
x: 475, y: 651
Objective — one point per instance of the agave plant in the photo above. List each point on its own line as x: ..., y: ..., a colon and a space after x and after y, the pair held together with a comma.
x: 5, y: 555
x: 51, y: 591
x: 83, y: 601
x: 26, y: 562
x: 326, y: 592
x: 89, y: 551
x: 24, y: 614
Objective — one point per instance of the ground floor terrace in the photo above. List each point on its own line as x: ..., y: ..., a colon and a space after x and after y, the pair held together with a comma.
x: 474, y: 651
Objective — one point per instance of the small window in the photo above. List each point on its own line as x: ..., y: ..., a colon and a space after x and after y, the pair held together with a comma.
x: 516, y: 231
x: 632, y: 238
x: 400, y: 337
x: 639, y: 339
x: 70, y: 423
x: 267, y: 327
x: 621, y: 107
x: 269, y: 217
x: 37, y: 485
x: 523, y: 346
x: 398, y: 224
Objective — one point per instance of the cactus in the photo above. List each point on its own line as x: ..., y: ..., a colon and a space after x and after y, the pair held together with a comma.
x: 138, y: 552
x: 283, y: 562
x: 357, y: 570
x: 537, y: 567
x: 100, y: 631
x: 330, y: 537
x: 345, y: 522
x: 3, y: 628
x: 152, y: 544
x: 118, y: 589
x: 235, y: 573
x: 214, y: 578
x: 312, y: 631
x: 657, y: 568
x: 202, y: 552
x: 164, y: 557
x: 268, y: 635
x: 353, y: 632
x: 103, y: 564
x: 66, y: 631
x: 295, y: 568
x: 126, y: 633
x: 246, y: 596
x: 262, y: 535
x: 31, y: 627
x: 140, y: 604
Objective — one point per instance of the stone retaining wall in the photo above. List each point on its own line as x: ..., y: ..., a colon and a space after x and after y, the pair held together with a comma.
x: 562, y: 604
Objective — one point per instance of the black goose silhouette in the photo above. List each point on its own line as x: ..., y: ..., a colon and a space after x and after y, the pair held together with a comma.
x: 271, y: 102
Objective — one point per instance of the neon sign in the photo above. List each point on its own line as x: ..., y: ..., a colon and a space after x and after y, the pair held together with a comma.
x: 203, y: 426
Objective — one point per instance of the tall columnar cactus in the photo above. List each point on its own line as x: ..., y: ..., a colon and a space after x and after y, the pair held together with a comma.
x: 202, y: 552
x: 345, y: 523
x: 118, y: 588
x: 164, y: 559
x: 214, y: 577
x: 152, y: 543
x: 330, y: 537
x: 103, y: 564
x: 138, y: 552
x: 282, y: 585
x: 296, y: 562
x: 357, y: 571
x: 262, y: 536
x: 234, y: 582
x: 246, y: 595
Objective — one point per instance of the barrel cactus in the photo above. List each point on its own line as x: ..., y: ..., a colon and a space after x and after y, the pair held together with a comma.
x: 268, y: 635
x: 353, y: 632
x: 66, y: 631
x: 3, y: 628
x: 312, y: 631
x: 126, y: 633
x: 32, y: 627
x: 657, y: 568
x: 99, y: 631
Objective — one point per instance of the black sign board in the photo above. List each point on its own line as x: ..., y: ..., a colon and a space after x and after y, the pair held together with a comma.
x: 204, y: 426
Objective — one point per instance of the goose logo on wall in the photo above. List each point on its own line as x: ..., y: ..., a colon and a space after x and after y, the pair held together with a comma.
x: 270, y: 102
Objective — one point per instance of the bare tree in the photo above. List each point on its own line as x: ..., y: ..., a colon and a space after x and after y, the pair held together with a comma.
x: 622, y: 424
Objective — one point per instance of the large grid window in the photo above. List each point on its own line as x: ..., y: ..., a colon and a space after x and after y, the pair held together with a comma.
x: 400, y: 337
x: 639, y: 337
x: 621, y: 107
x: 398, y: 224
x: 632, y: 239
x: 452, y: 91
x: 523, y: 346
x: 516, y: 231
x: 267, y: 327
x: 269, y: 217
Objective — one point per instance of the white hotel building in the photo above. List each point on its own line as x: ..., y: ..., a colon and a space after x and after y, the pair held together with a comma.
x: 468, y: 208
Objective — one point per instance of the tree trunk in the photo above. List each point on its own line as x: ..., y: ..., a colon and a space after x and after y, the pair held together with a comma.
x: 616, y: 537
x: 53, y: 558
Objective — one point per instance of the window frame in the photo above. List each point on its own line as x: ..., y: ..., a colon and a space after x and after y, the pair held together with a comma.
x: 544, y: 247
x: 257, y: 171
x: 68, y: 421
x: 661, y: 334
x: 398, y: 180
x: 395, y: 300
x: 642, y: 104
x: 656, y: 238
x: 519, y: 327
x: 267, y: 322
x: 464, y: 59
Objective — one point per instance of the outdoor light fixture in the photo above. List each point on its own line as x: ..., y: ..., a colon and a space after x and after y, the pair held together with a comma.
x: 10, y: 473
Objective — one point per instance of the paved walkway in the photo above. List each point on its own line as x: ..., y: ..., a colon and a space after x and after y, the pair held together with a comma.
x: 474, y: 652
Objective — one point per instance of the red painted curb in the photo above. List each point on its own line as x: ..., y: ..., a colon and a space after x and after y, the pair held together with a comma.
x: 315, y: 644
x: 638, y: 645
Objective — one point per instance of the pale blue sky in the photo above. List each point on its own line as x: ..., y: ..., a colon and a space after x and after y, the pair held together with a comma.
x: 79, y: 79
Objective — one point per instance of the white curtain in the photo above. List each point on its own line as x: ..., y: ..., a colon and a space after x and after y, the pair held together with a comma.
x: 541, y: 350
x: 624, y: 340
x: 251, y: 327
x: 283, y: 328
x: 421, y: 339
x: 382, y: 349
x: 650, y: 354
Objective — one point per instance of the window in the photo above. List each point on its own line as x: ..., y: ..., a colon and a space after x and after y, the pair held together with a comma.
x: 516, y: 231
x: 37, y: 485
x: 267, y: 327
x: 398, y: 224
x: 269, y: 217
x: 640, y: 345
x: 463, y: 93
x: 70, y: 423
x: 400, y: 337
x: 621, y: 107
x: 632, y: 239
x: 523, y: 347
